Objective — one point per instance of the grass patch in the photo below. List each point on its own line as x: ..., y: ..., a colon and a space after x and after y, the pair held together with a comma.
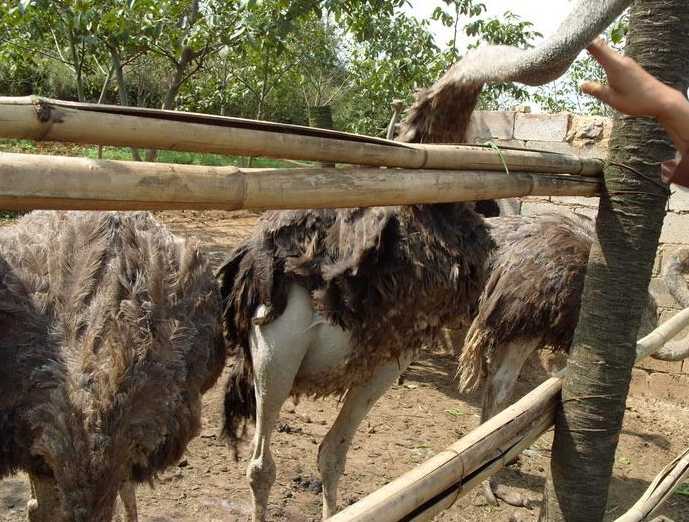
x: 124, y: 154
x: 683, y: 490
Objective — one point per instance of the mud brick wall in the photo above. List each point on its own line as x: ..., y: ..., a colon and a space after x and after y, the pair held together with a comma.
x: 589, y: 136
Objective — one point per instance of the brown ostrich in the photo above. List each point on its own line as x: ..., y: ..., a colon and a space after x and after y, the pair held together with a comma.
x: 323, y: 302
x: 340, y: 302
x: 111, y: 331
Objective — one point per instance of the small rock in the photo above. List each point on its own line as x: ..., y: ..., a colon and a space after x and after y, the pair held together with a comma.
x: 308, y: 484
x: 520, y: 516
x: 286, y: 428
x: 593, y: 131
x: 479, y: 501
x: 183, y: 463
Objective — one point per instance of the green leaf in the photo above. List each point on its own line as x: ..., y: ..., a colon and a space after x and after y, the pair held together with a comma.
x: 683, y: 490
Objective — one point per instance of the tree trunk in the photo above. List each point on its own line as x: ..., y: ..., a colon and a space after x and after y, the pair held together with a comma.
x: 103, y: 91
x: 619, y: 271
x: 178, y: 76
x: 122, y: 88
x: 78, y: 65
x: 322, y: 118
x: 170, y: 100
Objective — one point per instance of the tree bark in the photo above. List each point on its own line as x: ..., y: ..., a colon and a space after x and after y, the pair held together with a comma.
x: 122, y: 88
x: 628, y: 226
x: 78, y: 65
x: 187, y: 55
x: 103, y: 91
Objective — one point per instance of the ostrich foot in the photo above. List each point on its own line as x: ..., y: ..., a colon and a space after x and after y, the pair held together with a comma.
x: 492, y: 492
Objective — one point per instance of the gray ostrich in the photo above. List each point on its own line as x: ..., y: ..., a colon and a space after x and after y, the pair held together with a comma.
x: 110, y: 332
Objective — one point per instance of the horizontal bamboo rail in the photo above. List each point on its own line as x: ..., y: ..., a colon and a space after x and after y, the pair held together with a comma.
x: 45, y: 119
x: 29, y: 181
x: 435, y: 485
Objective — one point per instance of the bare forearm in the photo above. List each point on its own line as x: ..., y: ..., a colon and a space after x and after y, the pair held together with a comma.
x: 675, y: 119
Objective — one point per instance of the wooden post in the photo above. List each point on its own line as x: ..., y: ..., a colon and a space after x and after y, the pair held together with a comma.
x: 30, y: 181
x: 43, y: 119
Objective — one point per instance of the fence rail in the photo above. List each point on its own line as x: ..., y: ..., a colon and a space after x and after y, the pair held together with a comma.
x: 54, y: 120
x: 436, y: 484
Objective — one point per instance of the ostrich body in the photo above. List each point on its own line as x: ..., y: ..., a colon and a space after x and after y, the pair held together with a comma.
x: 339, y: 302
x: 111, y: 331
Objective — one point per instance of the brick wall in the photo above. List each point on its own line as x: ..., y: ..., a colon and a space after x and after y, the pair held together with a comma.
x: 589, y: 136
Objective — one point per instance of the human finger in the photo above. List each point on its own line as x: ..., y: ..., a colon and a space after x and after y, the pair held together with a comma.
x: 603, y: 92
x: 603, y: 53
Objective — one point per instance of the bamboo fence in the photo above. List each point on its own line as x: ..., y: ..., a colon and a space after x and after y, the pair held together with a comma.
x: 50, y: 182
x: 45, y: 119
x: 435, y: 485
x: 662, y: 487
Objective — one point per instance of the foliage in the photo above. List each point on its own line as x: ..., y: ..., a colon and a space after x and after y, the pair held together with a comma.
x: 269, y: 59
x: 564, y: 95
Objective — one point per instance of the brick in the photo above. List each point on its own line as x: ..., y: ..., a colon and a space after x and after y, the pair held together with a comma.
x: 514, y: 144
x: 561, y: 147
x: 486, y: 125
x: 530, y: 208
x: 661, y: 293
x: 576, y: 201
x: 593, y: 151
x: 668, y: 252
x: 589, y: 212
x: 675, y: 229
x: 679, y: 201
x: 639, y: 385
x: 589, y: 128
x: 649, y: 363
x: 541, y: 127
x: 658, y: 263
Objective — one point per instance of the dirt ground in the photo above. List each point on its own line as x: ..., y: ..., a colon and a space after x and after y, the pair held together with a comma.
x: 407, y: 426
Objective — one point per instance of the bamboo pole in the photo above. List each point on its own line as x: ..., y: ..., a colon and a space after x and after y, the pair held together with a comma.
x: 30, y: 181
x: 45, y: 119
x: 662, y: 487
x: 435, y: 485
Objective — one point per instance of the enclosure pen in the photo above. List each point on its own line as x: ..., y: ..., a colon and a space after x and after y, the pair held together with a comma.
x: 435, y: 485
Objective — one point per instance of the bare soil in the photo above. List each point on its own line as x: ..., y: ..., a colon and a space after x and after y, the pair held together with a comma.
x: 407, y: 426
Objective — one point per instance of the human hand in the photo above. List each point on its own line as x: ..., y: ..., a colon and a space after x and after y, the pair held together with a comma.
x: 630, y: 90
x: 633, y: 91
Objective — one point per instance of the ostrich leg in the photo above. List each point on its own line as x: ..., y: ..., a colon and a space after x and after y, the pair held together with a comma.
x: 277, y: 351
x: 128, y: 497
x: 45, y: 502
x: 332, y: 453
x: 504, y: 370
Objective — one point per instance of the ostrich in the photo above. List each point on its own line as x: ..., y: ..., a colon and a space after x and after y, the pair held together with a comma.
x: 111, y: 331
x: 339, y: 302
x: 324, y: 302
